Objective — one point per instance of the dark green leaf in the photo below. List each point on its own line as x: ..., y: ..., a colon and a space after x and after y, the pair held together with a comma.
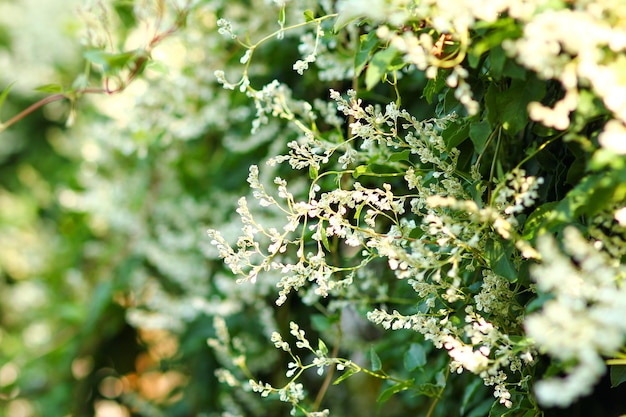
x: 376, y: 363
x: 400, y: 156
x: 451, y: 103
x: 538, y: 302
x: 367, y: 44
x: 414, y: 357
x: 514, y: 70
x: 509, y: 107
x: 591, y: 195
x: 497, y: 59
x: 479, y: 134
x: 434, y: 86
x: 428, y: 389
x: 468, y: 395
x: 482, y: 409
x: 498, y: 255
x: 618, y: 375
x: 322, y: 323
x: 379, y: 66
x: 455, y: 134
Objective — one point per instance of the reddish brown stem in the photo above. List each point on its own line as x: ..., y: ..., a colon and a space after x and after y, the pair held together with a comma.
x: 30, y: 109
x: 158, y: 37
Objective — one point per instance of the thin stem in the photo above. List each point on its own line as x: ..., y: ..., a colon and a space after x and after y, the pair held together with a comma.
x: 30, y: 109
x: 431, y: 409
x: 539, y: 149
x: 494, y: 160
x: 329, y: 375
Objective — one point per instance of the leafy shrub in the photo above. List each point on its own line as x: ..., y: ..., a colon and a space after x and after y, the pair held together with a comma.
x: 435, y: 220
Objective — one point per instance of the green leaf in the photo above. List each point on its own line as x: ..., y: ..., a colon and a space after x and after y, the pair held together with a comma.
x: 359, y: 209
x: 536, y: 219
x: 281, y: 16
x: 158, y: 66
x: 496, y: 33
x: 482, y: 409
x: 5, y: 93
x: 366, y: 46
x: 111, y: 62
x: 538, y: 302
x: 125, y: 12
x: 428, y: 389
x: 509, y: 107
x: 5, y: 39
x: 451, y: 103
x: 455, y: 134
x: 322, y: 323
x: 498, y: 255
x: 479, y: 134
x: 321, y: 346
x: 347, y: 374
x: 324, y: 238
x: 394, y: 389
x: 497, y: 59
x: 414, y: 357
x: 81, y: 82
x: 434, y: 86
x: 594, y: 193
x: 50, y: 88
x: 309, y: 15
x: 400, y: 156
x: 469, y: 394
x: 378, y: 66
x: 376, y: 363
x: 618, y: 375
x: 343, y: 20
x: 360, y: 170
x: 513, y: 70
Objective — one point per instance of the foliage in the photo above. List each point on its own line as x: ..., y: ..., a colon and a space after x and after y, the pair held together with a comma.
x: 435, y: 220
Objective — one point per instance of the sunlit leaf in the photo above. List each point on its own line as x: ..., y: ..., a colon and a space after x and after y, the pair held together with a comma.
x: 378, y: 66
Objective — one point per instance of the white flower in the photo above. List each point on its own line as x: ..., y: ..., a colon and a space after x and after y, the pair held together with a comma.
x: 613, y: 137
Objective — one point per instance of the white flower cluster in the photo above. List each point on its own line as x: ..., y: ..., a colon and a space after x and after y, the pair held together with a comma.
x: 437, y: 229
x: 585, y: 318
x: 450, y: 244
x: 293, y: 392
x: 489, y: 353
x: 308, y: 48
x: 591, y: 56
